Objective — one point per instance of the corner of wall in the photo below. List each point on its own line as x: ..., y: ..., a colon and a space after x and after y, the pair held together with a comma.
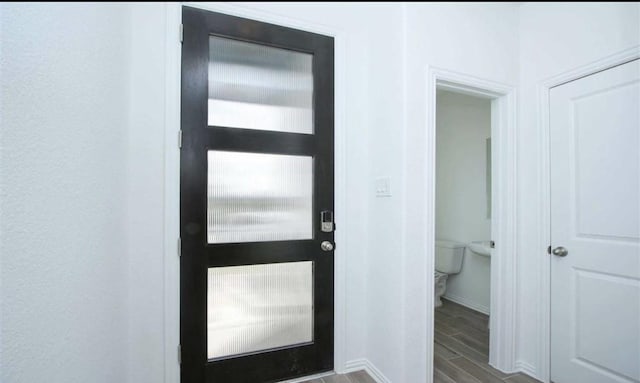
x: 528, y: 369
x: 365, y: 365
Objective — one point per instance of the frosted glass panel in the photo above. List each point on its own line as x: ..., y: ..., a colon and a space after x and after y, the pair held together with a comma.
x: 259, y: 307
x: 258, y: 197
x: 254, y: 86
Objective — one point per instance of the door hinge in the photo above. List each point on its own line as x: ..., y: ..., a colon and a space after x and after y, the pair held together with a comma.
x: 179, y: 354
x: 180, y: 139
x: 179, y: 247
x: 549, y: 249
x: 181, y: 33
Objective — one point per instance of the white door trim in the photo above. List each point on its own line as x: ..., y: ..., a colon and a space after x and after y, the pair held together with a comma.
x: 503, y: 226
x: 544, y: 287
x: 172, y: 174
x: 173, y: 54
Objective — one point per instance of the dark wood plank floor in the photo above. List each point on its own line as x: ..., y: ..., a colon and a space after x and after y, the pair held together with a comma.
x: 461, y: 348
x: 353, y: 377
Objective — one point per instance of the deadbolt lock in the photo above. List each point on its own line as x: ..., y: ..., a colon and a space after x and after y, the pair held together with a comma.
x: 326, y: 221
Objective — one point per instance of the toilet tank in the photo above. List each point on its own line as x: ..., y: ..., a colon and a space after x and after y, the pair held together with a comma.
x: 449, y: 256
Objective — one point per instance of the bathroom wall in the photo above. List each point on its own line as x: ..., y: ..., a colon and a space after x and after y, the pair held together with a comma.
x: 463, y: 123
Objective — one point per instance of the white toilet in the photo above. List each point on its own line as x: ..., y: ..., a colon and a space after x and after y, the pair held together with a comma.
x: 448, y: 261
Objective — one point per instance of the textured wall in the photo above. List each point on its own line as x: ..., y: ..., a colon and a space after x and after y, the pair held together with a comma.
x: 145, y: 196
x: 63, y: 161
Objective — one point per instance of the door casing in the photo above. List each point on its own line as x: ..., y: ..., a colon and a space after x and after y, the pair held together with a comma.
x: 544, y: 289
x: 171, y: 293
x: 502, y: 353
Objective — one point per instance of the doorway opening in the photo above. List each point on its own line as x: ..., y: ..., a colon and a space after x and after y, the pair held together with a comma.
x: 463, y: 246
x: 471, y: 185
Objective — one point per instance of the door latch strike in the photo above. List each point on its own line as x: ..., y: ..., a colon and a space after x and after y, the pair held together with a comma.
x: 549, y: 249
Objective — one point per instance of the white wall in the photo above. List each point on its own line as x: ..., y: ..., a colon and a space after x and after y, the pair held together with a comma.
x: 385, y: 259
x: 145, y: 195
x: 63, y: 160
x: 463, y: 124
x: 554, y: 38
x: 475, y: 39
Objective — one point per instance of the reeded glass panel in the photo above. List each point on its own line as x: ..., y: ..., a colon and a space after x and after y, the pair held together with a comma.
x: 254, y: 86
x: 259, y: 307
x: 255, y: 197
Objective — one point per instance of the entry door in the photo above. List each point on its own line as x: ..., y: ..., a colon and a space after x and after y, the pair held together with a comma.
x: 595, y: 228
x: 256, y: 201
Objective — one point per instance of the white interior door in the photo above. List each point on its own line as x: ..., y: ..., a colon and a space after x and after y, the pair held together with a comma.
x: 595, y: 216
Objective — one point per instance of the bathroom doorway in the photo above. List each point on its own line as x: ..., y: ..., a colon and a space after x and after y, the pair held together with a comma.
x: 463, y: 246
x: 471, y: 186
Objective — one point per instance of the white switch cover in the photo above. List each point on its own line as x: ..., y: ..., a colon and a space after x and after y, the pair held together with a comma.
x: 383, y: 187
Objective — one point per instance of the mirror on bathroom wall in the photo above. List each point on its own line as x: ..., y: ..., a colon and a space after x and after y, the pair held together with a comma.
x: 488, y: 176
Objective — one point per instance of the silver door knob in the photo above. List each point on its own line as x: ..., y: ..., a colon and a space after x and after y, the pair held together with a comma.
x: 326, y: 246
x: 560, y: 251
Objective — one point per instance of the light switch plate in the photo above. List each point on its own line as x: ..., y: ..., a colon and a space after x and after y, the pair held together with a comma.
x: 383, y: 187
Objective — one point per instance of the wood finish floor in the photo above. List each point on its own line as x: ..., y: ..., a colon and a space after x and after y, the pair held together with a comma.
x: 353, y: 377
x: 461, y: 348
x: 461, y: 351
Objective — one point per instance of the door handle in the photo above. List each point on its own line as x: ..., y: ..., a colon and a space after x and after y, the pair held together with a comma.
x: 326, y: 246
x: 560, y: 251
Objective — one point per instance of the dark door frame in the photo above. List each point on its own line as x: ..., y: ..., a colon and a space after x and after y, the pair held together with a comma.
x: 193, y: 330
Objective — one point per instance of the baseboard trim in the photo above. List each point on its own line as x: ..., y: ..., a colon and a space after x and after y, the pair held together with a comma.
x: 527, y: 368
x: 466, y: 303
x: 370, y: 368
